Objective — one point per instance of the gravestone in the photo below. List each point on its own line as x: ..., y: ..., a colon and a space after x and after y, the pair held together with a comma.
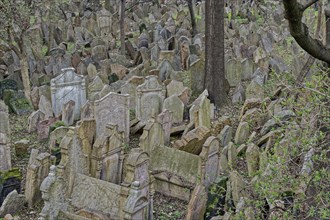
x: 175, y: 105
x: 165, y: 119
x: 114, y: 109
x: 174, y: 88
x: 4, y: 118
x: 150, y: 97
x: 67, y: 113
x: 45, y: 106
x: 87, y: 111
x: 130, y: 88
x: 5, y: 157
x: 65, y: 87
x: 34, y: 119
x: 197, y: 77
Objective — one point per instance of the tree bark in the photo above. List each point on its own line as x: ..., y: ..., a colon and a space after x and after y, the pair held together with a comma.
x: 192, y: 17
x: 122, y: 27
x: 294, y: 13
x: 215, y: 81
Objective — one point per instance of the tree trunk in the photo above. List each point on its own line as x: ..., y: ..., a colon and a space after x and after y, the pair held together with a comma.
x: 122, y: 27
x: 25, y: 76
x: 192, y: 18
x: 215, y: 81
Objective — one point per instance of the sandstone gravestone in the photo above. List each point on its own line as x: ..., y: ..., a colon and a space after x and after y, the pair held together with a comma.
x: 130, y: 88
x: 34, y: 119
x: 5, y: 157
x: 176, y: 106
x: 65, y: 87
x: 174, y: 88
x: 87, y: 111
x: 45, y: 106
x: 165, y: 119
x: 67, y: 113
x: 114, y: 109
x: 197, y: 77
x: 4, y: 118
x: 150, y: 97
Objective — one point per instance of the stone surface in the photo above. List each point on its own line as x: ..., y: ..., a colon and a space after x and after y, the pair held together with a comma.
x: 174, y: 88
x: 65, y: 87
x: 130, y: 88
x: 237, y: 186
x: 232, y: 155
x: 226, y: 135
x: 12, y: 204
x: 34, y: 119
x: 150, y: 97
x: 242, y: 133
x: 68, y: 112
x: 5, y: 156
x: 114, y: 109
x: 176, y: 106
x: 45, y: 106
x: 252, y: 158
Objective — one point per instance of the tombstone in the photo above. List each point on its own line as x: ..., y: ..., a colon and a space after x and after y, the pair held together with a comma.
x: 225, y: 135
x: 165, y: 119
x: 174, y: 88
x: 113, y: 109
x: 210, y: 156
x: 242, y: 133
x: 95, y: 88
x: 34, y: 119
x: 200, y: 111
x: 4, y: 118
x: 5, y: 156
x: 65, y: 87
x: 130, y: 88
x: 176, y: 106
x: 239, y: 94
x: 150, y: 97
x: 152, y: 136
x: 112, y: 155
x: 233, y: 72
x: 87, y: 111
x: 165, y: 70
x: 197, y: 77
x: 248, y: 68
x: 67, y: 113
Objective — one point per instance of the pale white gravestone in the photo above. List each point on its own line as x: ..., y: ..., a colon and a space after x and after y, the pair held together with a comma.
x: 65, y: 87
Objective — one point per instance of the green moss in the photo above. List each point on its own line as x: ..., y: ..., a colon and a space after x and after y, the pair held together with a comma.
x: 56, y: 125
x: 5, y: 175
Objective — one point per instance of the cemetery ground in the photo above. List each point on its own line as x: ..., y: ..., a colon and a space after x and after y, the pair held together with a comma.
x: 117, y: 123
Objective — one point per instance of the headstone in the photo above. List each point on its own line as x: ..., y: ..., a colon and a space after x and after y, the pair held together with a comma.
x: 226, y: 135
x: 150, y: 97
x: 232, y: 155
x: 12, y: 204
x: 67, y: 113
x: 34, y: 119
x: 65, y: 87
x: 130, y: 88
x: 242, y: 133
x: 4, y: 118
x: 233, y: 72
x: 5, y: 156
x: 165, y: 119
x: 239, y: 94
x: 252, y: 159
x: 175, y: 105
x: 114, y: 109
x: 174, y: 88
x: 200, y: 111
x: 45, y: 106
x: 87, y: 111
x: 197, y: 77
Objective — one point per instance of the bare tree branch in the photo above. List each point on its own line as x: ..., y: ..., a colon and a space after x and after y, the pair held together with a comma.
x: 299, y: 31
x: 308, y: 4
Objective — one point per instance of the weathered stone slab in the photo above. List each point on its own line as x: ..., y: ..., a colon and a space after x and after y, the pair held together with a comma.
x: 150, y: 97
x: 113, y: 109
x: 176, y: 106
x: 65, y: 87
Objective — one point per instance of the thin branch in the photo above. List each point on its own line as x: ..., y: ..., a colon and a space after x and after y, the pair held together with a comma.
x: 308, y: 4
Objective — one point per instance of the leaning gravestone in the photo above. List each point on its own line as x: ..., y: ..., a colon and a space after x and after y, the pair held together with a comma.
x: 113, y: 109
x: 67, y: 112
x: 65, y: 87
x: 4, y: 118
x: 5, y: 158
x: 150, y: 97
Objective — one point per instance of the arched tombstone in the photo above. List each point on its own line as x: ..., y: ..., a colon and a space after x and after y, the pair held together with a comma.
x: 210, y: 159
